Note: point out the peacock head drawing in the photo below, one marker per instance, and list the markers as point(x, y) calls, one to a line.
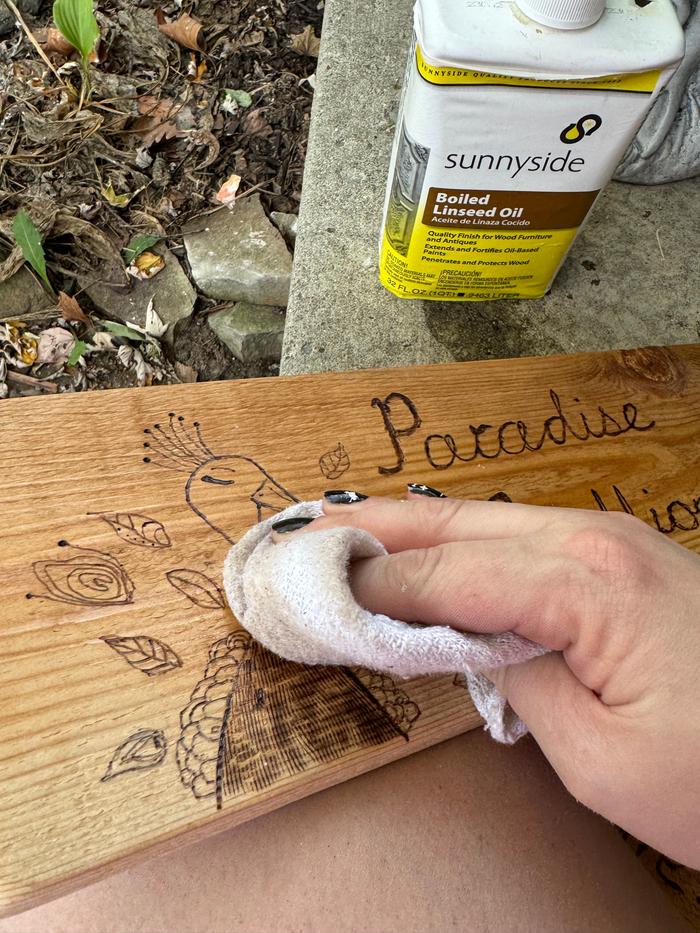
point(227, 491)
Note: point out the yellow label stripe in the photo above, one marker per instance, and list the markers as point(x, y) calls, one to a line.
point(642, 82)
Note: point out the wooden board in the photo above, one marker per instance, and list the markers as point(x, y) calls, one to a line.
point(133, 711)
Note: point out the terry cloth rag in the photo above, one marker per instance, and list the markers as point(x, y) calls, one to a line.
point(294, 597)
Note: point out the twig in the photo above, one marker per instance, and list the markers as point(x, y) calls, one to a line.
point(661, 249)
point(18, 17)
point(29, 316)
point(10, 150)
point(21, 379)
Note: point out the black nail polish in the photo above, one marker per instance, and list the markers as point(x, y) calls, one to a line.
point(343, 496)
point(290, 524)
point(420, 489)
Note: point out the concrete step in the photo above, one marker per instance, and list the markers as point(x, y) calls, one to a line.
point(631, 278)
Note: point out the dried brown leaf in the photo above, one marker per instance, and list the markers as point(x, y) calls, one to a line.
point(146, 265)
point(205, 138)
point(55, 345)
point(52, 40)
point(228, 191)
point(157, 120)
point(306, 42)
point(255, 124)
point(184, 30)
point(157, 108)
point(49, 128)
point(196, 70)
point(70, 309)
point(89, 238)
point(184, 372)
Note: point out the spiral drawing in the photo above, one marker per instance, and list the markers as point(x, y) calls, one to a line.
point(91, 578)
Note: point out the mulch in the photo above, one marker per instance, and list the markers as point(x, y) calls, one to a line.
point(163, 127)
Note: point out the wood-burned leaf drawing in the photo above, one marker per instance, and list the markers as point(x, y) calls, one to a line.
point(141, 751)
point(135, 528)
point(144, 653)
point(197, 587)
point(334, 462)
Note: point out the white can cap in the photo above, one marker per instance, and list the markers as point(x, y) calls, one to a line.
point(563, 14)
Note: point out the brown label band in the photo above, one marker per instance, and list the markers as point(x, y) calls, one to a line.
point(506, 210)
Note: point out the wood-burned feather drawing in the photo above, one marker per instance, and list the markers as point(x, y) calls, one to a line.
point(90, 578)
point(229, 491)
point(255, 718)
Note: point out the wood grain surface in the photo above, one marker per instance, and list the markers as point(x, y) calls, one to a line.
point(134, 712)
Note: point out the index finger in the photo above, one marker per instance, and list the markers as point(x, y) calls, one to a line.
point(422, 522)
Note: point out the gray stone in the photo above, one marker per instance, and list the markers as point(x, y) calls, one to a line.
point(632, 277)
point(172, 293)
point(286, 224)
point(238, 255)
point(7, 20)
point(251, 332)
point(21, 294)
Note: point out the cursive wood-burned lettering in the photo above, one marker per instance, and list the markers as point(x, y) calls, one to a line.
point(133, 707)
point(512, 438)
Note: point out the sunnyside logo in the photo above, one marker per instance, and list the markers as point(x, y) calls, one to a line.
point(575, 132)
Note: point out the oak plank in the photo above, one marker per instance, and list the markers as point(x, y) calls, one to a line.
point(133, 710)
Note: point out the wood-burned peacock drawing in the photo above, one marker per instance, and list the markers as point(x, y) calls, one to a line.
point(254, 718)
point(227, 491)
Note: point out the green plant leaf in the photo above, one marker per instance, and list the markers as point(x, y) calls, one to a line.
point(121, 330)
point(137, 245)
point(79, 347)
point(241, 98)
point(28, 239)
point(76, 22)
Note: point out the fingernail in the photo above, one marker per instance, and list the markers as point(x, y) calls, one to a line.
point(420, 489)
point(290, 524)
point(343, 496)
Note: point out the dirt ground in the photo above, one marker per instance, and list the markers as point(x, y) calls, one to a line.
point(173, 110)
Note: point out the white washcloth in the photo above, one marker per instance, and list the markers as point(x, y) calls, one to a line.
point(294, 598)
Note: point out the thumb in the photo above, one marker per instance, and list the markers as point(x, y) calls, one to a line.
point(564, 716)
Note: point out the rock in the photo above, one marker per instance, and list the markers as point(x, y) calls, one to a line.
point(21, 293)
point(238, 255)
point(287, 226)
point(7, 20)
point(251, 332)
point(172, 293)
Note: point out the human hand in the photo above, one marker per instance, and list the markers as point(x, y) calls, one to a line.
point(616, 706)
